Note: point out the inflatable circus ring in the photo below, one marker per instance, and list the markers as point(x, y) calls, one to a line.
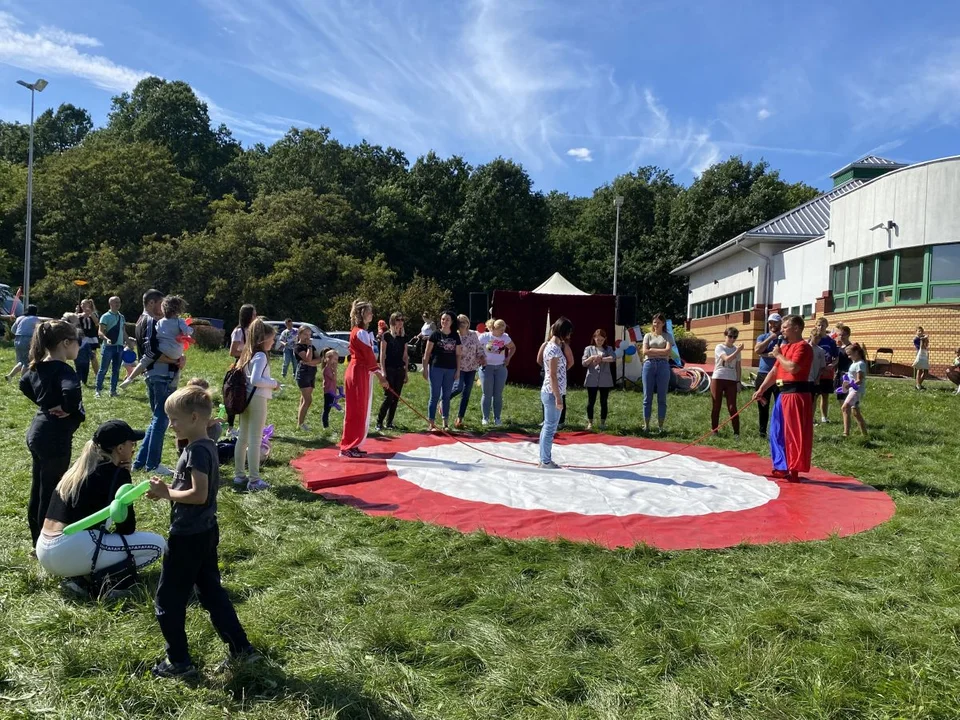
point(613, 491)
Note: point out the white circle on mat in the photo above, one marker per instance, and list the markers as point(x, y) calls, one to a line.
point(675, 486)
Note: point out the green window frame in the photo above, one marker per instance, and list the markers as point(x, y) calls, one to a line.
point(911, 276)
point(724, 305)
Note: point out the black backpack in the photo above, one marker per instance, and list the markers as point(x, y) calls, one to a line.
point(236, 395)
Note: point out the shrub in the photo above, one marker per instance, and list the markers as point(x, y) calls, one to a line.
point(692, 349)
point(208, 337)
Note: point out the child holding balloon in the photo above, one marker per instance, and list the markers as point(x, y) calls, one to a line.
point(191, 556)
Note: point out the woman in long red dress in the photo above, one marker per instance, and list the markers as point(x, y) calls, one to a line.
point(358, 390)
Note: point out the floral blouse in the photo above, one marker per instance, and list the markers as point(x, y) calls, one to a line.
point(472, 353)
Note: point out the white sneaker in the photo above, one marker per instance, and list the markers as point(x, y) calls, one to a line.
point(303, 428)
point(484, 422)
point(823, 420)
point(162, 470)
point(549, 466)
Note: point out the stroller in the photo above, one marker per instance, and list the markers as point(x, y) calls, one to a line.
point(415, 349)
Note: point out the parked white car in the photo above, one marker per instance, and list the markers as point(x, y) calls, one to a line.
point(321, 341)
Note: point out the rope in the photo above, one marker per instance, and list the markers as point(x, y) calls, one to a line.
point(697, 441)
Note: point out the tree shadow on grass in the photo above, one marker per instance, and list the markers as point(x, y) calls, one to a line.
point(297, 493)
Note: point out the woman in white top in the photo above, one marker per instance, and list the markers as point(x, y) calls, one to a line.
point(499, 348)
point(255, 363)
point(657, 347)
point(554, 387)
point(725, 383)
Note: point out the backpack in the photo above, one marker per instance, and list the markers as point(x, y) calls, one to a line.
point(236, 395)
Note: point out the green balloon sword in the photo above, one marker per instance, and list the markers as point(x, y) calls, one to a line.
point(116, 511)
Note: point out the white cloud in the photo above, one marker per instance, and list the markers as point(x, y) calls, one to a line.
point(763, 114)
point(51, 50)
point(580, 154)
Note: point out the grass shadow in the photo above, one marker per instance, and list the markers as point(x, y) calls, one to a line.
point(914, 488)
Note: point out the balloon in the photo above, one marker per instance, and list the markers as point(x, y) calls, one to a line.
point(630, 350)
point(129, 357)
point(628, 358)
point(116, 511)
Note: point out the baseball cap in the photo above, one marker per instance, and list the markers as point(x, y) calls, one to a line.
point(115, 432)
point(774, 317)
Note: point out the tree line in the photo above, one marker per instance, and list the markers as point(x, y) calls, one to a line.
point(159, 197)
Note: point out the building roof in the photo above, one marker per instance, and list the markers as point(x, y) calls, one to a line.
point(802, 223)
point(869, 161)
point(557, 284)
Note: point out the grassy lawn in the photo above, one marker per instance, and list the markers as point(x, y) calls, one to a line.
point(376, 618)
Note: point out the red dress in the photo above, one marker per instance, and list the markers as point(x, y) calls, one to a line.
point(796, 407)
point(358, 391)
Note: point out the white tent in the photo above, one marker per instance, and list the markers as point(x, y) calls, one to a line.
point(557, 284)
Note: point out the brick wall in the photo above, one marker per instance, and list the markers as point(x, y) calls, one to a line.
point(750, 323)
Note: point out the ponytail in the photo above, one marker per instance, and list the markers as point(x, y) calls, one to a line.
point(47, 336)
point(69, 486)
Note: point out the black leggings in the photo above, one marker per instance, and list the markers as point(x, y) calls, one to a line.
point(328, 400)
point(388, 408)
point(592, 400)
point(47, 471)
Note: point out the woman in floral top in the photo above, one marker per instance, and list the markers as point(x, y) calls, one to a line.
point(472, 358)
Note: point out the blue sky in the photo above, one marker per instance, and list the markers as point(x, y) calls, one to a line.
point(578, 92)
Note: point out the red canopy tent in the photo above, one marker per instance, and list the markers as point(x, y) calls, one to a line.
point(526, 312)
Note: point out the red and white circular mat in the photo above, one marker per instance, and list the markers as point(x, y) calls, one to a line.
point(702, 498)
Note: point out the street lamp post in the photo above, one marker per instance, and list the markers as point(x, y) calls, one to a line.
point(34, 88)
point(617, 201)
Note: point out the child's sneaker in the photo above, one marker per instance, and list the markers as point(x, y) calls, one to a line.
point(248, 656)
point(167, 669)
point(257, 485)
point(240, 480)
point(303, 428)
point(161, 470)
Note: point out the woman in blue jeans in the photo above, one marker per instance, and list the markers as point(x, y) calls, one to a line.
point(441, 366)
point(554, 388)
point(657, 347)
point(472, 358)
point(499, 348)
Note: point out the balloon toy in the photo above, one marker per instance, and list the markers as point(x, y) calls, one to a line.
point(185, 339)
point(114, 513)
point(340, 396)
point(628, 353)
point(847, 385)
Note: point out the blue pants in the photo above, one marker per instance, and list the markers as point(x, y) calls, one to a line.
point(551, 418)
point(778, 448)
point(289, 358)
point(656, 379)
point(441, 385)
point(112, 357)
point(493, 379)
point(82, 363)
point(151, 449)
point(21, 346)
point(464, 387)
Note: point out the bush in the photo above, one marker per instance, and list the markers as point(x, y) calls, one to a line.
point(208, 337)
point(692, 349)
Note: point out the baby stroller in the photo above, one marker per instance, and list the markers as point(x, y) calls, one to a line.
point(415, 349)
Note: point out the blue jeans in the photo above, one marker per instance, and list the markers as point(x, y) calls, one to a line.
point(289, 358)
point(493, 379)
point(151, 449)
point(112, 356)
point(464, 387)
point(551, 418)
point(441, 385)
point(656, 379)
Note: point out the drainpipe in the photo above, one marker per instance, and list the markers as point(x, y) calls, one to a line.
point(766, 284)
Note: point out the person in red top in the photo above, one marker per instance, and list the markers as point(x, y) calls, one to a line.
point(358, 392)
point(791, 426)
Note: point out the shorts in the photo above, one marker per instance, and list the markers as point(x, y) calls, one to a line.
point(306, 381)
point(21, 346)
point(824, 387)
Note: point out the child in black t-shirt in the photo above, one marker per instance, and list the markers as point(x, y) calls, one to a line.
point(191, 557)
point(306, 374)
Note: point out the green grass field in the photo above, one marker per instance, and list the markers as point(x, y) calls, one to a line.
point(364, 617)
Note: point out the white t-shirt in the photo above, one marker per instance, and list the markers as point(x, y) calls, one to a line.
point(859, 367)
point(238, 335)
point(724, 372)
point(495, 347)
point(819, 362)
point(258, 376)
point(554, 351)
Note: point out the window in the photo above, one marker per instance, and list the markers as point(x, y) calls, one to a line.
point(909, 276)
point(795, 310)
point(735, 302)
point(807, 312)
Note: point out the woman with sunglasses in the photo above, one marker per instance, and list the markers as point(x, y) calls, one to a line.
point(393, 364)
point(725, 383)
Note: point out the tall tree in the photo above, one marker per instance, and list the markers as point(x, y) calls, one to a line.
point(53, 132)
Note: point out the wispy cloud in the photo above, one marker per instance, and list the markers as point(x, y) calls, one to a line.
point(580, 154)
point(51, 50)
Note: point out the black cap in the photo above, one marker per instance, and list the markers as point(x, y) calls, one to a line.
point(115, 432)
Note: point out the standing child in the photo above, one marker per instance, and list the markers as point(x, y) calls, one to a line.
point(214, 425)
point(305, 374)
point(54, 387)
point(90, 325)
point(191, 556)
point(953, 374)
point(288, 339)
point(330, 360)
point(255, 363)
point(921, 342)
point(855, 391)
point(727, 375)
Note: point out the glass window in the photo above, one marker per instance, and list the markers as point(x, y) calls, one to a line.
point(853, 278)
point(884, 297)
point(910, 294)
point(839, 279)
point(839, 303)
point(885, 271)
point(867, 298)
point(945, 292)
point(911, 266)
point(945, 265)
point(869, 266)
point(807, 311)
point(795, 310)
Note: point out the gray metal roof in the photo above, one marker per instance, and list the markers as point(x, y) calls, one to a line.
point(808, 220)
point(870, 161)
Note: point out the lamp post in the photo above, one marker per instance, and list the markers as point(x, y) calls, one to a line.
point(34, 88)
point(618, 201)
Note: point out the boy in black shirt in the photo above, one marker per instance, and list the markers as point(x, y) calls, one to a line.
point(191, 556)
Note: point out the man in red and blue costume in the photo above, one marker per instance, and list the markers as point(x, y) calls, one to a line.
point(791, 423)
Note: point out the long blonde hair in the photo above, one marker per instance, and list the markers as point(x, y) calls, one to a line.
point(357, 311)
point(90, 457)
point(257, 334)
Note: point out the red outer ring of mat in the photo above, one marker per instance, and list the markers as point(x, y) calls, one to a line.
point(820, 505)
